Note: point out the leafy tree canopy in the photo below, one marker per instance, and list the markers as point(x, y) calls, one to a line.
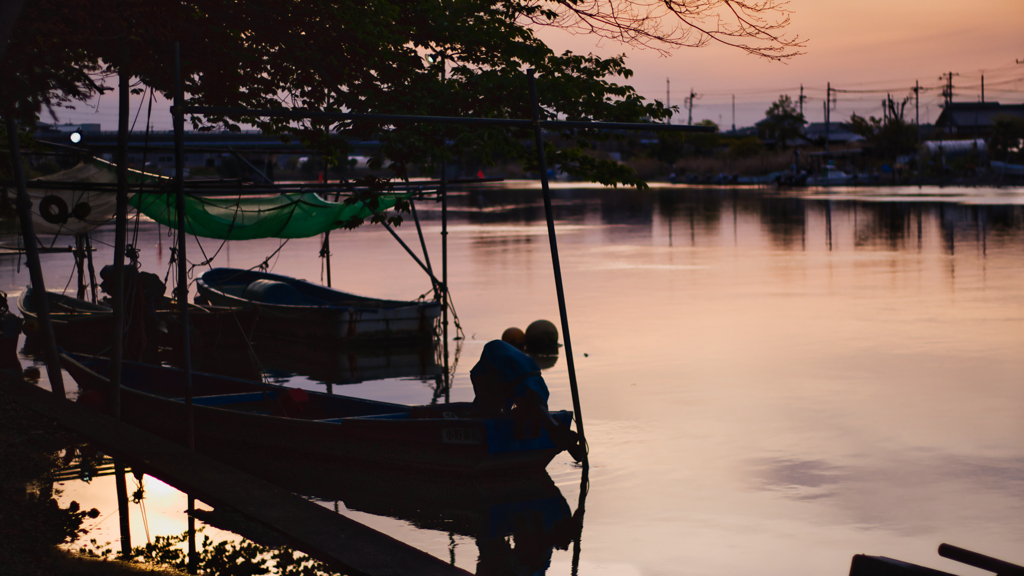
point(783, 120)
point(371, 56)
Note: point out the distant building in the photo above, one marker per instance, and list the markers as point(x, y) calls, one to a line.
point(812, 133)
point(974, 119)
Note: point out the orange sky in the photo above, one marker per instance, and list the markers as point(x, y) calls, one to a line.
point(863, 44)
point(856, 45)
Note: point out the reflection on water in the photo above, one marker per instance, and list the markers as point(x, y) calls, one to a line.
point(771, 382)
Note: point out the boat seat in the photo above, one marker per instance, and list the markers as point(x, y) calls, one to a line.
point(225, 399)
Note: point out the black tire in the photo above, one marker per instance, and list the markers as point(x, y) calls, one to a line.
point(53, 209)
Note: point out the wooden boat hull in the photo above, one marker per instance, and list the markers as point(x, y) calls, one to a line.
point(320, 313)
point(438, 438)
point(82, 326)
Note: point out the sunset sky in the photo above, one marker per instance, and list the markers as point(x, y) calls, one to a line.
point(869, 46)
point(863, 45)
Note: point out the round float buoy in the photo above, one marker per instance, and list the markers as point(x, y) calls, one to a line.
point(31, 326)
point(81, 210)
point(542, 338)
point(515, 337)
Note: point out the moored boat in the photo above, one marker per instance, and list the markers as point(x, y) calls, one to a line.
point(830, 176)
point(298, 309)
point(82, 326)
point(232, 415)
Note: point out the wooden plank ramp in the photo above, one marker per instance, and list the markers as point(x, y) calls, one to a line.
point(323, 534)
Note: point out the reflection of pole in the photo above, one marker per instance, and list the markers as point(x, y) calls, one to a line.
point(193, 557)
point(581, 508)
point(122, 509)
point(120, 232)
point(182, 289)
point(693, 232)
point(670, 221)
point(828, 223)
point(735, 219)
point(542, 164)
point(28, 235)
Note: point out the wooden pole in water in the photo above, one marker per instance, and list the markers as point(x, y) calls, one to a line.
point(80, 265)
point(542, 163)
point(122, 508)
point(92, 269)
point(24, 206)
point(120, 232)
point(325, 251)
point(444, 259)
point(181, 291)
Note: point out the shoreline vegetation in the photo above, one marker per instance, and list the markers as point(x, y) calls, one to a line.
point(39, 538)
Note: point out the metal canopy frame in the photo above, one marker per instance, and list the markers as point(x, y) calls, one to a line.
point(179, 109)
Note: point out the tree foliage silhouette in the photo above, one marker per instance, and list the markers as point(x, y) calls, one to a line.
point(372, 57)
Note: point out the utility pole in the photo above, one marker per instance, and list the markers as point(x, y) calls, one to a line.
point(982, 88)
point(802, 98)
point(733, 112)
point(668, 98)
point(689, 106)
point(917, 109)
point(947, 91)
point(828, 112)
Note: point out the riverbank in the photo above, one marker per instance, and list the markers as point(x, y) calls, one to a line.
point(33, 528)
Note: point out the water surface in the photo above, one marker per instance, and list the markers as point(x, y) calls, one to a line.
point(770, 382)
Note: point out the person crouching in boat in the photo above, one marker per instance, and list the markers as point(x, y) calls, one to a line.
point(508, 382)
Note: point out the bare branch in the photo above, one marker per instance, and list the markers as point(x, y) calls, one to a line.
point(754, 26)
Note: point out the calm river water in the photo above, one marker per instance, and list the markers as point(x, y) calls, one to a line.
point(770, 383)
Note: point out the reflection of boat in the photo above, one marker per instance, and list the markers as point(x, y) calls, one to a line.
point(82, 326)
point(234, 414)
point(77, 324)
point(527, 506)
point(331, 364)
point(475, 507)
point(298, 309)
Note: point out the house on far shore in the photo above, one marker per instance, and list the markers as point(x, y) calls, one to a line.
point(967, 120)
point(811, 133)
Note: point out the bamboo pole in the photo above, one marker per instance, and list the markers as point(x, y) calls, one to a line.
point(120, 232)
point(423, 246)
point(539, 140)
point(325, 251)
point(80, 265)
point(24, 206)
point(92, 269)
point(182, 289)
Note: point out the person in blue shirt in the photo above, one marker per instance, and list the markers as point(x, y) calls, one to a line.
point(507, 382)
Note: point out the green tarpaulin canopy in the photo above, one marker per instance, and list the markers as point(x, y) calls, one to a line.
point(285, 216)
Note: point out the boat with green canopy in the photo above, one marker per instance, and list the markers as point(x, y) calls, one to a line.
point(295, 215)
point(289, 307)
